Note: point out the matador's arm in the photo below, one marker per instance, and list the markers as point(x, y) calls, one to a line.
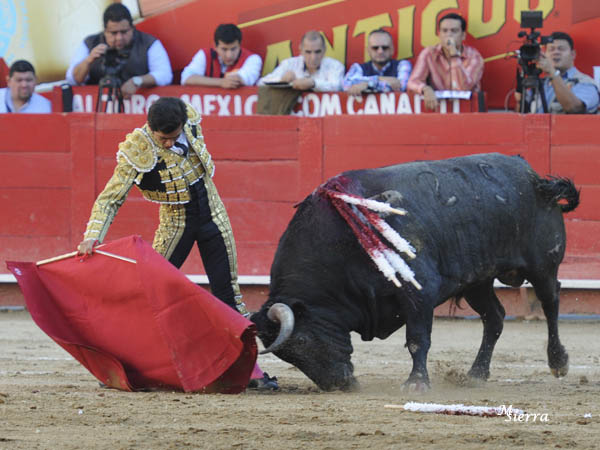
point(110, 200)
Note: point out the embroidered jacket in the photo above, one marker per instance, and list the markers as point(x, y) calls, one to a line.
point(162, 175)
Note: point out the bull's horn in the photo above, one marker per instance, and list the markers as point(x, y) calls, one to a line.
point(282, 313)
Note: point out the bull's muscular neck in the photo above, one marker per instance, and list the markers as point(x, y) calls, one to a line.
point(363, 308)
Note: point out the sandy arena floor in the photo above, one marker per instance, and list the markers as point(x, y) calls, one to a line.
point(48, 400)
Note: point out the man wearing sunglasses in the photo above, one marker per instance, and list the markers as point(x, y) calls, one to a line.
point(449, 65)
point(381, 73)
point(139, 59)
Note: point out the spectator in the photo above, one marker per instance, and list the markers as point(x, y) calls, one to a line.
point(566, 89)
point(228, 65)
point(311, 70)
point(18, 96)
point(449, 65)
point(139, 59)
point(382, 73)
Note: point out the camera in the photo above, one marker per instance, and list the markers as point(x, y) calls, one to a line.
point(113, 62)
point(530, 51)
point(529, 84)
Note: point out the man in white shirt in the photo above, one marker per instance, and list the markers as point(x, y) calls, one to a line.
point(228, 65)
point(138, 59)
point(19, 97)
point(311, 70)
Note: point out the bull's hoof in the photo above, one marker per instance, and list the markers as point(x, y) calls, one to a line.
point(419, 387)
point(475, 382)
point(558, 361)
point(352, 386)
point(561, 371)
point(478, 375)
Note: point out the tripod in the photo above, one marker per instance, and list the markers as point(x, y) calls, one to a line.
point(111, 86)
point(532, 87)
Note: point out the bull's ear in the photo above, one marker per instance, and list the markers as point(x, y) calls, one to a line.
point(299, 308)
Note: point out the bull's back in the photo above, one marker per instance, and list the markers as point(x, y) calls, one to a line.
point(471, 217)
point(450, 182)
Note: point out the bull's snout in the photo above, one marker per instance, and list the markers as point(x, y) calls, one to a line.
point(340, 377)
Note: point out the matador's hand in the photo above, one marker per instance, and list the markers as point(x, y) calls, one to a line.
point(86, 247)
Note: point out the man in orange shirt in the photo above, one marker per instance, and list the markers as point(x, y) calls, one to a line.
point(449, 65)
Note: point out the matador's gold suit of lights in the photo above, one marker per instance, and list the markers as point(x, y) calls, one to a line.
point(138, 157)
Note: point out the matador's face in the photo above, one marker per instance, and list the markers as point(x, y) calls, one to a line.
point(166, 140)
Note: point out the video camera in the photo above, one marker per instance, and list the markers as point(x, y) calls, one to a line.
point(529, 83)
point(530, 51)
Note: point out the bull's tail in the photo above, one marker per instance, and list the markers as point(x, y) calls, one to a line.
point(561, 191)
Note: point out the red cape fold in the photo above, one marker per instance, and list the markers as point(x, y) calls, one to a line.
point(139, 326)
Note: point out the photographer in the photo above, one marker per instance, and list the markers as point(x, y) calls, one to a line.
point(137, 59)
point(567, 90)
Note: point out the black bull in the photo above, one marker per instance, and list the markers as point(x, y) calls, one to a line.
point(470, 220)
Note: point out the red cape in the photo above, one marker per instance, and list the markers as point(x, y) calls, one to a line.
point(142, 325)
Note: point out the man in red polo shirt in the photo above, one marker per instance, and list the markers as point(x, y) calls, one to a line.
point(450, 65)
point(228, 65)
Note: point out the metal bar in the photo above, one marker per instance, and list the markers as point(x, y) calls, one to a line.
point(69, 255)
point(56, 258)
point(112, 255)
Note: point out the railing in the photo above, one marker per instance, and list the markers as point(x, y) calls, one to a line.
point(242, 102)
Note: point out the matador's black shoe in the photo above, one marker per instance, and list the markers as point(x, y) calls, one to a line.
point(265, 383)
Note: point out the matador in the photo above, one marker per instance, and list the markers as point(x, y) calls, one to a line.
point(168, 161)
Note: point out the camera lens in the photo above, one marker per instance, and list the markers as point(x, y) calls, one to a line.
point(529, 52)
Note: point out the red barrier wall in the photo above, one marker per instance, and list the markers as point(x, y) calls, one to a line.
point(53, 166)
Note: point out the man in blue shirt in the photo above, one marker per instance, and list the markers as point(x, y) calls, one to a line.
point(19, 97)
point(381, 73)
point(567, 90)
